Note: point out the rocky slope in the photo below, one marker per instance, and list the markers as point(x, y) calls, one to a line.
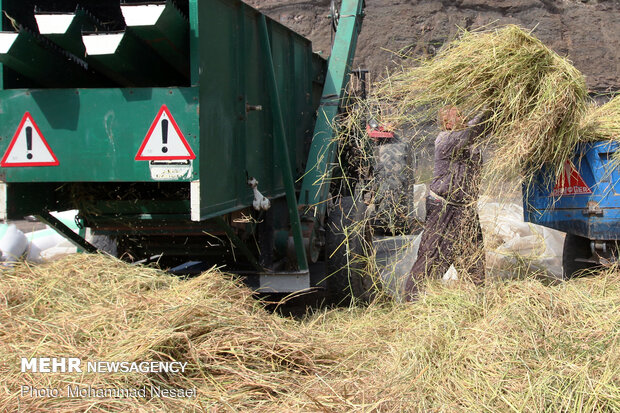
point(586, 31)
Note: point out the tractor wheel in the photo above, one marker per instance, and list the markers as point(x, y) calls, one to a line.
point(575, 247)
point(347, 242)
point(393, 175)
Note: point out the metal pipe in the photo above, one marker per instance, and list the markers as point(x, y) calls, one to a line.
point(315, 185)
point(65, 231)
point(282, 149)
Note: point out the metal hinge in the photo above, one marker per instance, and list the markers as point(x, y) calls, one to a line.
point(593, 209)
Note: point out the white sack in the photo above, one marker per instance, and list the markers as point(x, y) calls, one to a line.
point(510, 241)
point(395, 257)
point(13, 243)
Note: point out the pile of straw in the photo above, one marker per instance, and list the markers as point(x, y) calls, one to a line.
point(536, 98)
point(100, 309)
point(510, 346)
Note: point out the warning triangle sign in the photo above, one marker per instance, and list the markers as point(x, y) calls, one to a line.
point(28, 147)
point(164, 140)
point(570, 182)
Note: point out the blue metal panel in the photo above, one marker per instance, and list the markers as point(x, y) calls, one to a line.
point(568, 213)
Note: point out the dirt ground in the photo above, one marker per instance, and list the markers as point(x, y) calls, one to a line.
point(588, 31)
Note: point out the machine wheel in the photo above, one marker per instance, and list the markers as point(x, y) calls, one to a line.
point(347, 241)
point(393, 174)
point(575, 247)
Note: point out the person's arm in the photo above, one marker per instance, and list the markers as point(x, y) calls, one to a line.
point(478, 123)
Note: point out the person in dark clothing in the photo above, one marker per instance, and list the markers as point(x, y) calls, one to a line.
point(452, 233)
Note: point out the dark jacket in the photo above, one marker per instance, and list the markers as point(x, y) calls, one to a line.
point(458, 161)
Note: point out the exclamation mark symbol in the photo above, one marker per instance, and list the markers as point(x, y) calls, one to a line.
point(164, 135)
point(29, 141)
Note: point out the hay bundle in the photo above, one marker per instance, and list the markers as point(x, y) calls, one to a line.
point(603, 122)
point(536, 98)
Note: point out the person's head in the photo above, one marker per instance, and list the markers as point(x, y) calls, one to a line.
point(450, 118)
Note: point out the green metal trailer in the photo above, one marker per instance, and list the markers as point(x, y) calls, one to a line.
point(200, 130)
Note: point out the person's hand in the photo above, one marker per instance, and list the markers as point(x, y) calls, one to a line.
point(480, 117)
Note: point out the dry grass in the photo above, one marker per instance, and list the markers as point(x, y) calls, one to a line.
point(97, 308)
point(510, 346)
point(603, 122)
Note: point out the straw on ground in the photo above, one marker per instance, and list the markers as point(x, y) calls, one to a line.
point(510, 346)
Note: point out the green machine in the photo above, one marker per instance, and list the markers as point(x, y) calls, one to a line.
point(188, 130)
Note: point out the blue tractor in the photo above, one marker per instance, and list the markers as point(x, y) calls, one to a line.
point(583, 202)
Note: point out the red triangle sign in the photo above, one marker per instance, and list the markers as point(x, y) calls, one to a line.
point(28, 147)
point(164, 141)
point(570, 182)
